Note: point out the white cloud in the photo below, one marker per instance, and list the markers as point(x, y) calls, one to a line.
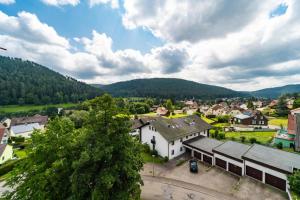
point(113, 3)
point(7, 2)
point(61, 2)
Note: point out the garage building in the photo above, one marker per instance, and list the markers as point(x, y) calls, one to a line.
point(229, 156)
point(270, 166)
point(201, 148)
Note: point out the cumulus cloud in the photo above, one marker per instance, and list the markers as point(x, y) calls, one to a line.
point(7, 2)
point(113, 3)
point(61, 2)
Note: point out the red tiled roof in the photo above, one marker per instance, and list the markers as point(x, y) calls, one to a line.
point(291, 124)
point(2, 131)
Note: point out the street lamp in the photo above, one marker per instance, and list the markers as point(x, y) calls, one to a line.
point(153, 165)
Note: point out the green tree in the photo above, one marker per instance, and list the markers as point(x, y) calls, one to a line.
point(169, 105)
point(296, 104)
point(98, 161)
point(281, 108)
point(250, 104)
point(294, 181)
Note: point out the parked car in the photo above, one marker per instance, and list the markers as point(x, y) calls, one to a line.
point(193, 166)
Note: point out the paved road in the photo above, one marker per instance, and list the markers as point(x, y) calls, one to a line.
point(160, 188)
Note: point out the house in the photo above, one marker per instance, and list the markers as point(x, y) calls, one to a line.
point(162, 111)
point(215, 110)
point(136, 127)
point(244, 106)
point(297, 132)
point(234, 112)
point(6, 153)
point(4, 135)
point(254, 119)
point(167, 135)
point(273, 103)
point(265, 164)
point(191, 104)
point(24, 130)
point(290, 103)
point(6, 122)
point(41, 120)
point(178, 112)
point(257, 104)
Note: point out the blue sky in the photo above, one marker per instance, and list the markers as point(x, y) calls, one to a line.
point(243, 45)
point(79, 21)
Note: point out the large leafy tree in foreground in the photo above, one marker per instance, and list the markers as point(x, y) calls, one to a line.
point(98, 161)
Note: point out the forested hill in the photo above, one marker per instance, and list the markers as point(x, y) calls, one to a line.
point(25, 82)
point(168, 88)
point(276, 91)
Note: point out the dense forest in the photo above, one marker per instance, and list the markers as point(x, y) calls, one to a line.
point(168, 88)
point(276, 91)
point(25, 82)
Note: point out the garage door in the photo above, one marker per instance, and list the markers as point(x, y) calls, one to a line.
point(221, 163)
point(275, 181)
point(254, 173)
point(235, 169)
point(207, 159)
point(197, 155)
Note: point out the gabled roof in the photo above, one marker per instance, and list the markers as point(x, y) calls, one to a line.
point(2, 132)
point(25, 128)
point(242, 116)
point(276, 158)
point(42, 120)
point(172, 129)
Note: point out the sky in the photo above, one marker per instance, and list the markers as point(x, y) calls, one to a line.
point(242, 45)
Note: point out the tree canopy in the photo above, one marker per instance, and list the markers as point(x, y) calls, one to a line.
point(100, 160)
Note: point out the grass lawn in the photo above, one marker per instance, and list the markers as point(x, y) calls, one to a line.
point(177, 116)
point(20, 153)
point(221, 125)
point(278, 122)
point(149, 159)
point(207, 120)
point(150, 114)
point(263, 137)
point(295, 196)
point(18, 108)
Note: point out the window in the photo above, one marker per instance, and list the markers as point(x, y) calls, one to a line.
point(172, 152)
point(261, 117)
point(262, 122)
point(187, 137)
point(195, 134)
point(253, 121)
point(181, 139)
point(149, 127)
point(180, 148)
point(152, 128)
point(172, 142)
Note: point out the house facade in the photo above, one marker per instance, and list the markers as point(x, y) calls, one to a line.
point(166, 136)
point(254, 119)
point(6, 153)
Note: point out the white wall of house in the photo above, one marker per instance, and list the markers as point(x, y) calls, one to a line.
point(7, 154)
point(24, 134)
point(228, 160)
point(161, 143)
point(267, 170)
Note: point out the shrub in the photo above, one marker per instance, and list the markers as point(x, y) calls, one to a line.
point(7, 167)
point(294, 181)
point(166, 159)
point(212, 135)
point(252, 140)
point(18, 139)
point(279, 145)
point(146, 148)
point(154, 152)
point(233, 138)
point(216, 133)
point(243, 139)
point(220, 136)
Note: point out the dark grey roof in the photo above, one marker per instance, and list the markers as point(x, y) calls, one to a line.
point(274, 157)
point(233, 149)
point(203, 143)
point(172, 129)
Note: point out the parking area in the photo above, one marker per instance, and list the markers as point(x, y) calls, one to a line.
point(217, 179)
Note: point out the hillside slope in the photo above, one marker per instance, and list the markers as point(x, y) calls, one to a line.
point(25, 82)
point(276, 91)
point(168, 88)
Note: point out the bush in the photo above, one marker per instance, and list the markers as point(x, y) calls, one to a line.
point(154, 152)
point(233, 138)
point(243, 139)
point(18, 139)
point(223, 118)
point(7, 167)
point(166, 159)
point(221, 136)
point(146, 148)
point(253, 140)
point(279, 145)
point(294, 181)
point(216, 134)
point(213, 135)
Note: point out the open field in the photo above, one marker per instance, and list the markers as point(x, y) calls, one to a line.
point(24, 108)
point(262, 137)
point(279, 122)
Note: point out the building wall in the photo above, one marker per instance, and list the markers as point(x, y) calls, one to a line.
point(267, 170)
point(7, 154)
point(25, 134)
point(231, 161)
point(161, 143)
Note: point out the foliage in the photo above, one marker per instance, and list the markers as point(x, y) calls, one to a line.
point(25, 82)
point(252, 140)
point(281, 108)
point(279, 145)
point(294, 182)
point(296, 103)
point(278, 122)
point(169, 105)
point(8, 166)
point(79, 117)
point(98, 161)
point(220, 136)
point(250, 104)
point(223, 118)
point(168, 88)
point(138, 108)
point(243, 139)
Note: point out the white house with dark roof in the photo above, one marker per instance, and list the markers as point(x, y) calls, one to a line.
point(6, 153)
point(24, 130)
point(167, 135)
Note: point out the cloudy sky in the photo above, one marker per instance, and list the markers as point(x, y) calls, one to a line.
point(242, 44)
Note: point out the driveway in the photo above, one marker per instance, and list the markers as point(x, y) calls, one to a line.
point(215, 179)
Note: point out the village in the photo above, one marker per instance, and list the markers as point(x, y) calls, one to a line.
point(242, 137)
